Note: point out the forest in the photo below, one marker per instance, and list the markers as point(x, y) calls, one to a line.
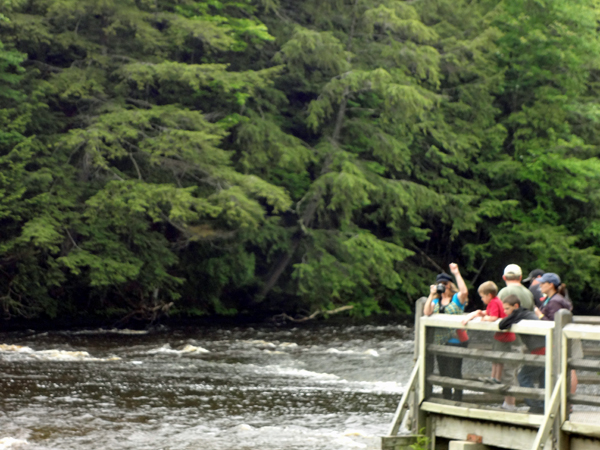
point(257, 157)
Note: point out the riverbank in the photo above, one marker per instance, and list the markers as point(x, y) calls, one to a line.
point(72, 323)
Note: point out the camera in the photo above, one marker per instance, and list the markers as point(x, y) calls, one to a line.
point(440, 288)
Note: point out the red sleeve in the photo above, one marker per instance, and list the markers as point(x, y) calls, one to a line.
point(495, 309)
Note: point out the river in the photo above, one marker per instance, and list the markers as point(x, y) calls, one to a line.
point(308, 387)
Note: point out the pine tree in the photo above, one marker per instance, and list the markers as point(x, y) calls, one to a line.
point(138, 111)
point(549, 53)
point(369, 76)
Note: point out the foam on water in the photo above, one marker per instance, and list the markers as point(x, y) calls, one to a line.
point(291, 435)
point(391, 387)
point(167, 350)
point(301, 373)
point(288, 345)
point(193, 349)
point(15, 348)
point(9, 443)
point(51, 355)
point(369, 352)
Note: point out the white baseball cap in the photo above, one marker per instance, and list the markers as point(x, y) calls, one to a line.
point(513, 269)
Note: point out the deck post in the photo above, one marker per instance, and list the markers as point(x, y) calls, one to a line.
point(561, 319)
point(418, 417)
point(550, 374)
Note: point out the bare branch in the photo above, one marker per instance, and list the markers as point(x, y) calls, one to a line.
point(284, 316)
point(137, 168)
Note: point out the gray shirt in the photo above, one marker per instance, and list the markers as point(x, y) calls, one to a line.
point(523, 294)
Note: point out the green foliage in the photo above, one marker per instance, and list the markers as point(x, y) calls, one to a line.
point(260, 156)
point(132, 170)
point(422, 443)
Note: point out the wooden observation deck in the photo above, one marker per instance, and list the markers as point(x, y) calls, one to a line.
point(570, 421)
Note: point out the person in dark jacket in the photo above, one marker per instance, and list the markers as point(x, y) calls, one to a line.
point(557, 298)
point(556, 293)
point(536, 345)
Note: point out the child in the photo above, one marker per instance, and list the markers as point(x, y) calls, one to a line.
point(488, 292)
point(535, 344)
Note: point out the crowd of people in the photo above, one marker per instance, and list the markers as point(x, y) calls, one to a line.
point(545, 296)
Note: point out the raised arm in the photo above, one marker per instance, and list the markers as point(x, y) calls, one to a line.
point(463, 292)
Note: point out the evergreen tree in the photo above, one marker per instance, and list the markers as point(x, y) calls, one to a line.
point(261, 156)
point(134, 130)
point(549, 55)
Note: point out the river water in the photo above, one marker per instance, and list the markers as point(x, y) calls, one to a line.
point(317, 388)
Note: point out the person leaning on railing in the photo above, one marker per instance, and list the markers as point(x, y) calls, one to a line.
point(445, 297)
point(536, 345)
point(557, 298)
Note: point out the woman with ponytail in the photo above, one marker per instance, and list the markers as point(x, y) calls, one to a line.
point(557, 298)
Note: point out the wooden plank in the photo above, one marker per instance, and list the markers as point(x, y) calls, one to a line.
point(447, 407)
point(535, 327)
point(403, 405)
point(413, 419)
point(549, 372)
point(515, 391)
point(493, 434)
point(584, 364)
point(581, 399)
point(420, 419)
point(430, 433)
point(579, 443)
point(447, 350)
point(464, 404)
point(588, 379)
point(591, 351)
point(563, 441)
point(549, 416)
point(576, 331)
point(475, 400)
point(587, 320)
point(559, 351)
point(584, 429)
point(589, 417)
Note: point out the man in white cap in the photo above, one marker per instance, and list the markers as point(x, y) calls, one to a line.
point(512, 276)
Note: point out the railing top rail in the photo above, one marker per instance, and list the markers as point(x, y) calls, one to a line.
point(536, 327)
point(590, 320)
point(579, 331)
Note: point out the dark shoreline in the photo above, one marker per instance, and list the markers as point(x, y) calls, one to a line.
point(240, 320)
point(70, 323)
